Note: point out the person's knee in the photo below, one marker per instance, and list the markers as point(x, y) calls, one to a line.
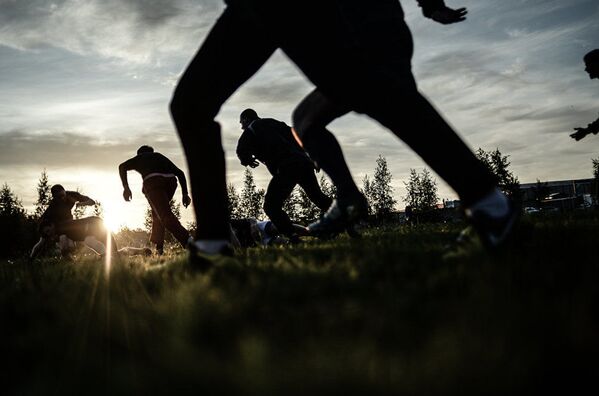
point(304, 122)
point(187, 104)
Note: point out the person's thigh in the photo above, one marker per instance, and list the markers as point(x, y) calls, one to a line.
point(159, 202)
point(233, 51)
point(356, 53)
point(279, 189)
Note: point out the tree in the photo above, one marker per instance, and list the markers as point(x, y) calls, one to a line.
point(291, 206)
point(308, 212)
point(498, 164)
point(250, 204)
point(368, 193)
point(98, 209)
point(383, 202)
point(43, 195)
point(10, 204)
point(421, 191)
point(233, 202)
point(17, 232)
point(327, 187)
point(79, 210)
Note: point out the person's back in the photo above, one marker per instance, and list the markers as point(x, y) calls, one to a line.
point(149, 163)
point(275, 144)
point(59, 208)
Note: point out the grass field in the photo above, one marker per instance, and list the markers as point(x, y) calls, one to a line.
point(382, 315)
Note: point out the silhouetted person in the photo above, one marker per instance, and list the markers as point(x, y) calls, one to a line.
point(358, 54)
point(591, 61)
point(272, 143)
point(159, 176)
point(57, 225)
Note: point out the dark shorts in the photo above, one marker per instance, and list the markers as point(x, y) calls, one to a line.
point(78, 230)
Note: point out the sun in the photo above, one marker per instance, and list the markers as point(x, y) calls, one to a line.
point(113, 218)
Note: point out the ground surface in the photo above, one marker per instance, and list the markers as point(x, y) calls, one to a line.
point(385, 314)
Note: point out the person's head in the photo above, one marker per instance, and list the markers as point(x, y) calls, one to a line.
point(246, 117)
point(591, 61)
point(58, 191)
point(145, 149)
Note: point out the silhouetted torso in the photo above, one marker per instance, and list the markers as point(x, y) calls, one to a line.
point(148, 163)
point(59, 210)
point(272, 143)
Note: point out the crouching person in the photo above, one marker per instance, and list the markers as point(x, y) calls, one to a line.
point(57, 226)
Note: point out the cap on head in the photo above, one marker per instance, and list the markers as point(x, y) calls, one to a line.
point(56, 190)
point(592, 57)
point(145, 149)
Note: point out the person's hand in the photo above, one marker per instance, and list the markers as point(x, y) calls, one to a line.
point(579, 134)
point(253, 163)
point(127, 194)
point(447, 16)
point(186, 200)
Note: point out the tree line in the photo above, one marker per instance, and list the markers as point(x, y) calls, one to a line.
point(18, 229)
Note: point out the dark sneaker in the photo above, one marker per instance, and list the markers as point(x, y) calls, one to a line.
point(492, 231)
point(202, 261)
point(340, 217)
point(294, 239)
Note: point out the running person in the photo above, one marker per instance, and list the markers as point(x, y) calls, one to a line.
point(358, 54)
point(272, 143)
point(57, 225)
point(159, 176)
point(591, 61)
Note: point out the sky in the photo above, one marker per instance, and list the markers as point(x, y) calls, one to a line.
point(83, 83)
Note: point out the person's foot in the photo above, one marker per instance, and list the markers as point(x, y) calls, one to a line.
point(493, 231)
point(202, 259)
point(493, 219)
point(294, 239)
point(341, 216)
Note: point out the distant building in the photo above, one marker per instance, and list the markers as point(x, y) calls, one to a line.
point(561, 194)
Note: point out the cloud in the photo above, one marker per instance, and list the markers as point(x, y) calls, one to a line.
point(136, 31)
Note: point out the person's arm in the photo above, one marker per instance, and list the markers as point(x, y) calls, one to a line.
point(580, 133)
point(183, 182)
point(38, 248)
point(82, 200)
point(245, 150)
point(439, 12)
point(123, 168)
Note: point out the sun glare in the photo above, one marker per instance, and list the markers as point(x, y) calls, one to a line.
point(114, 220)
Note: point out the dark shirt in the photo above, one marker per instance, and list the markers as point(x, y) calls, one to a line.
point(59, 210)
point(147, 163)
point(270, 142)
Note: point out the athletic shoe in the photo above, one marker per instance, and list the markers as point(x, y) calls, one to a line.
point(492, 231)
point(340, 217)
point(203, 261)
